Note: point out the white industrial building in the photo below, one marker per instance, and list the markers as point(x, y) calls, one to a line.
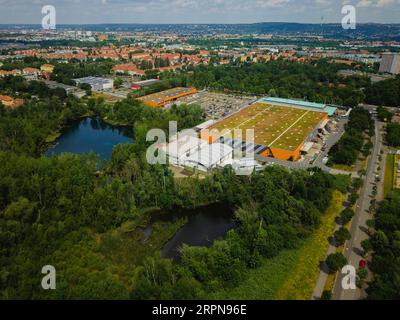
point(204, 125)
point(96, 83)
point(187, 150)
point(180, 149)
point(210, 157)
point(244, 166)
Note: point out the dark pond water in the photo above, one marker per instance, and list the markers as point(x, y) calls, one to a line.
point(204, 225)
point(90, 134)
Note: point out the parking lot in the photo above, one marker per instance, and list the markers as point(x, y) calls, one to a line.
point(217, 105)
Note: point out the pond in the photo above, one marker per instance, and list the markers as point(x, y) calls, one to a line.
point(204, 225)
point(90, 134)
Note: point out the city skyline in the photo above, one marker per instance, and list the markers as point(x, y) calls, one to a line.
point(198, 11)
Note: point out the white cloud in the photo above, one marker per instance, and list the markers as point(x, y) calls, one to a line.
point(197, 11)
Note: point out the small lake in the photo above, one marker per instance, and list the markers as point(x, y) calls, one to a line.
point(204, 225)
point(90, 134)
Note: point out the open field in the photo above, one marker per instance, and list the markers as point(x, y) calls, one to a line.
point(293, 273)
point(107, 97)
point(389, 174)
point(274, 126)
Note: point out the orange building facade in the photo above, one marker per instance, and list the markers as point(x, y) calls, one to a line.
point(163, 100)
point(270, 152)
point(212, 136)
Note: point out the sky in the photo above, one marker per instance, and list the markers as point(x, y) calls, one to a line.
point(198, 11)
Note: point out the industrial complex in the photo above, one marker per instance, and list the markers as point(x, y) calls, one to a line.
point(281, 127)
point(160, 99)
point(96, 83)
point(269, 128)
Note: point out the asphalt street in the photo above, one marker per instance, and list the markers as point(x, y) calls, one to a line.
point(353, 247)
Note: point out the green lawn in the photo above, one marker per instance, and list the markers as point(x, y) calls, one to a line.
point(389, 174)
point(292, 274)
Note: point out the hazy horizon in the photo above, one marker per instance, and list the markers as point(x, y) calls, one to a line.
point(79, 12)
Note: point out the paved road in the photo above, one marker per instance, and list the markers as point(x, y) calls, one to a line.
point(323, 276)
point(353, 247)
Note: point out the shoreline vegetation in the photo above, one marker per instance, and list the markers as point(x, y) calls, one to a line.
point(51, 139)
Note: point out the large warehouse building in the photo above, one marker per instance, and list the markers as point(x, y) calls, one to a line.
point(160, 99)
point(281, 127)
point(96, 83)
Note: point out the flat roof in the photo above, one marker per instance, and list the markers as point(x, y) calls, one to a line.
point(184, 144)
point(300, 104)
point(146, 82)
point(161, 96)
point(210, 155)
point(274, 126)
point(94, 80)
point(205, 124)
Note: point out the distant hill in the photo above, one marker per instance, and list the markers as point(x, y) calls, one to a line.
point(370, 30)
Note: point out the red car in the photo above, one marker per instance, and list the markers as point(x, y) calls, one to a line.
point(362, 264)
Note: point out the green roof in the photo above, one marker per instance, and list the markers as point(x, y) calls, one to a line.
point(300, 104)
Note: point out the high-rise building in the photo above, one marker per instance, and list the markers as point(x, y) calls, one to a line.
point(390, 63)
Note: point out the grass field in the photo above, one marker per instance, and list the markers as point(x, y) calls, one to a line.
point(292, 274)
point(389, 174)
point(108, 98)
point(274, 126)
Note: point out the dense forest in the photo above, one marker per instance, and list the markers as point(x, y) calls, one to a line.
point(317, 81)
point(386, 246)
point(393, 134)
point(66, 72)
point(386, 93)
point(347, 150)
point(86, 221)
point(45, 111)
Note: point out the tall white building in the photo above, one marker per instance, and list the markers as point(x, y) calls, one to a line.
point(390, 63)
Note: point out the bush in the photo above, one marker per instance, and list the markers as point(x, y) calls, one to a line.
point(362, 274)
point(326, 295)
point(353, 198)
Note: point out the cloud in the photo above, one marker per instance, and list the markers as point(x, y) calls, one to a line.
point(197, 11)
point(377, 3)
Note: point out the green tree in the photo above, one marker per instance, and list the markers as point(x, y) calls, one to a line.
point(342, 235)
point(336, 261)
